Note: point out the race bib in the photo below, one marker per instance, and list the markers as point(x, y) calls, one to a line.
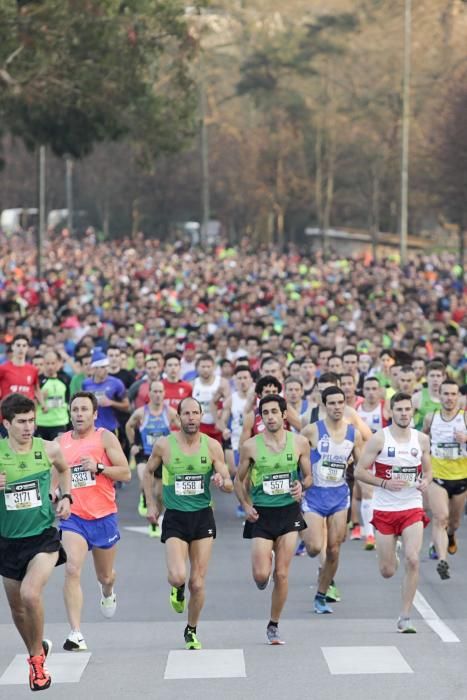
point(407, 474)
point(189, 485)
point(54, 402)
point(81, 477)
point(276, 484)
point(23, 496)
point(447, 450)
point(332, 470)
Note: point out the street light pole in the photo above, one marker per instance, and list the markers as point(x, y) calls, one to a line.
point(205, 184)
point(41, 228)
point(405, 132)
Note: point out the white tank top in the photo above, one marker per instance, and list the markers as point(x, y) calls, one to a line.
point(204, 394)
point(237, 410)
point(443, 442)
point(373, 418)
point(330, 459)
point(399, 460)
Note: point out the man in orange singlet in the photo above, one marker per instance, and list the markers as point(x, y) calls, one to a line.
point(97, 461)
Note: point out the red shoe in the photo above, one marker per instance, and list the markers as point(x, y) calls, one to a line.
point(355, 533)
point(39, 677)
point(370, 542)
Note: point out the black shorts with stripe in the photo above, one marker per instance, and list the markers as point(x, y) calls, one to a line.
point(275, 522)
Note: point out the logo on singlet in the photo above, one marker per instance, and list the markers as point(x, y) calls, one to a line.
point(391, 451)
point(204, 460)
point(289, 457)
point(37, 455)
point(23, 465)
point(414, 452)
point(190, 467)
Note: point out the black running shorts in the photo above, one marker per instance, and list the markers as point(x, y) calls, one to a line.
point(275, 522)
point(16, 553)
point(454, 487)
point(188, 525)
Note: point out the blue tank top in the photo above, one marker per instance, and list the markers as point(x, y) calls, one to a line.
point(153, 427)
point(329, 459)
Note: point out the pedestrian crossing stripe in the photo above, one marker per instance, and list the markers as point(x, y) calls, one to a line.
point(206, 663)
point(365, 660)
point(64, 668)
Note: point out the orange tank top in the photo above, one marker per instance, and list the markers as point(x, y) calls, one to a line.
point(93, 495)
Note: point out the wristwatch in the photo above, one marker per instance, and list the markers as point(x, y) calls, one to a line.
point(66, 495)
point(100, 468)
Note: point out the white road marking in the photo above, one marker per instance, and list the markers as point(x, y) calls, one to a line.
point(64, 668)
point(143, 530)
point(364, 660)
point(433, 620)
point(205, 663)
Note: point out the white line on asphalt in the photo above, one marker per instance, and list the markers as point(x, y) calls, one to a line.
point(364, 660)
point(64, 668)
point(207, 663)
point(433, 620)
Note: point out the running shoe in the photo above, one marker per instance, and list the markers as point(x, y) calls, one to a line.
point(46, 647)
point(75, 642)
point(240, 513)
point(333, 594)
point(321, 607)
point(301, 549)
point(154, 531)
point(142, 507)
point(404, 625)
point(452, 544)
point(432, 553)
point(443, 569)
point(39, 677)
point(356, 533)
point(177, 599)
point(272, 633)
point(370, 543)
point(108, 604)
point(191, 640)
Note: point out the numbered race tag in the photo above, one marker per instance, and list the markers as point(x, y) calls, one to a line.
point(332, 469)
point(23, 496)
point(447, 450)
point(276, 484)
point(81, 477)
point(189, 485)
point(407, 474)
point(54, 402)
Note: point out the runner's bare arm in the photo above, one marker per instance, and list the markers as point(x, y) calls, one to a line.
point(119, 469)
point(246, 458)
point(427, 421)
point(416, 400)
point(132, 424)
point(221, 478)
point(367, 458)
point(309, 432)
point(294, 418)
point(174, 419)
point(352, 416)
point(427, 474)
point(303, 449)
point(358, 446)
point(248, 422)
point(62, 470)
point(154, 462)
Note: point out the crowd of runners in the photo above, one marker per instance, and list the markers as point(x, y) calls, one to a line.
point(328, 396)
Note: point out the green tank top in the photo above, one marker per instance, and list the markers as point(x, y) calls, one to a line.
point(186, 479)
point(273, 473)
point(55, 400)
point(427, 405)
point(25, 507)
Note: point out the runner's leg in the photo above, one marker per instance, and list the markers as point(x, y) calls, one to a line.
point(76, 549)
point(439, 504)
point(199, 553)
point(412, 538)
point(284, 548)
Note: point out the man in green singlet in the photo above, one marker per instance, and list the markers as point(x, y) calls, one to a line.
point(29, 543)
point(270, 462)
point(190, 461)
point(427, 400)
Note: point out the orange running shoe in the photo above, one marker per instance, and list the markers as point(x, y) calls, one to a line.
point(370, 542)
point(452, 546)
point(356, 533)
point(39, 677)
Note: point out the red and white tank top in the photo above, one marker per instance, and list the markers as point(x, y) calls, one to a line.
point(399, 460)
point(374, 419)
point(93, 494)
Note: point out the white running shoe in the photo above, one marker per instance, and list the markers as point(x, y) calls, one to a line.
point(75, 642)
point(108, 604)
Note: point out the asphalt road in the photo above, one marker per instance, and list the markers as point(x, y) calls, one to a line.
point(356, 652)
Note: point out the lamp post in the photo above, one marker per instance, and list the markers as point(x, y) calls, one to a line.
point(405, 132)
